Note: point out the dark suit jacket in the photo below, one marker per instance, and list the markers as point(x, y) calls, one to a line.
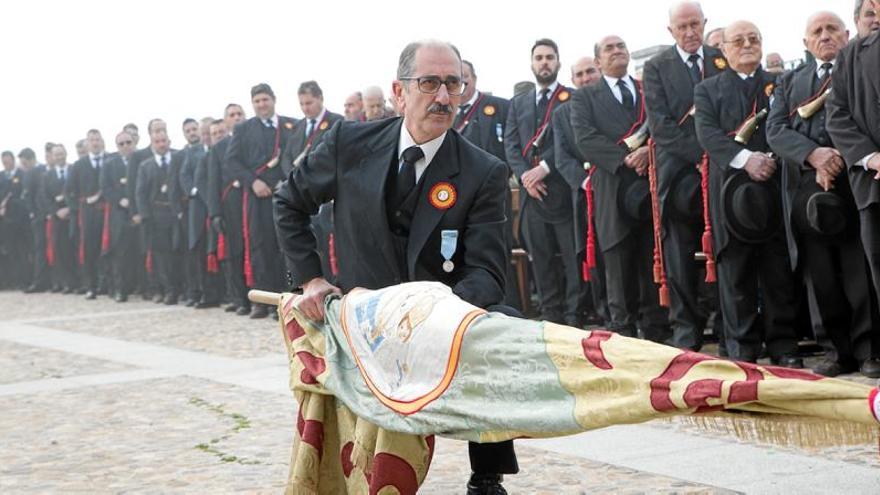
point(215, 179)
point(521, 126)
point(251, 147)
point(194, 210)
point(599, 121)
point(149, 189)
point(30, 193)
point(11, 191)
point(793, 138)
point(854, 112)
point(114, 187)
point(84, 181)
point(350, 166)
point(297, 140)
point(669, 96)
point(51, 196)
point(722, 106)
point(484, 130)
point(570, 164)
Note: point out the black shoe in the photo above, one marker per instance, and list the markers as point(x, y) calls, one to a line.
point(81, 291)
point(574, 323)
point(871, 368)
point(147, 296)
point(121, 298)
point(593, 319)
point(260, 311)
point(206, 304)
point(90, 295)
point(828, 367)
point(793, 362)
point(243, 311)
point(68, 290)
point(191, 302)
point(231, 308)
point(485, 484)
point(170, 300)
point(34, 289)
point(57, 289)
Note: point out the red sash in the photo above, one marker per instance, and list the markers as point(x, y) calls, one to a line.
point(544, 123)
point(812, 98)
point(246, 232)
point(275, 149)
point(311, 137)
point(50, 241)
point(105, 231)
point(467, 117)
point(331, 250)
point(211, 263)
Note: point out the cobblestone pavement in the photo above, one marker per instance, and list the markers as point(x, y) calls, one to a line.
point(99, 397)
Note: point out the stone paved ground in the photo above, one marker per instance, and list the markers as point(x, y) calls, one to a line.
point(99, 397)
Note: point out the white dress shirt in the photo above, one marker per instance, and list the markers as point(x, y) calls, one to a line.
point(612, 83)
point(685, 56)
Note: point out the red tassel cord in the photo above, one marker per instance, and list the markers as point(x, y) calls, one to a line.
point(105, 231)
point(148, 262)
point(590, 261)
point(246, 231)
point(659, 265)
point(331, 249)
point(50, 241)
point(81, 255)
point(707, 222)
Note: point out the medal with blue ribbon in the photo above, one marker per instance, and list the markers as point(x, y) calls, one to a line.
point(448, 244)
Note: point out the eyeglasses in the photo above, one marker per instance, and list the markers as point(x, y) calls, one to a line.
point(740, 42)
point(431, 84)
point(124, 143)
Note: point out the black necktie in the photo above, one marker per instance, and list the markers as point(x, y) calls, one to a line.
point(825, 71)
point(462, 112)
point(406, 175)
point(542, 105)
point(163, 162)
point(270, 124)
point(626, 95)
point(311, 128)
point(98, 162)
point(696, 73)
point(61, 174)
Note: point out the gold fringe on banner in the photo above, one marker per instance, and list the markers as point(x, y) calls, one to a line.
point(783, 430)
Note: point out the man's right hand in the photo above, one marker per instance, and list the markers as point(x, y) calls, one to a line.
point(63, 213)
point(261, 189)
point(874, 164)
point(311, 303)
point(827, 160)
point(760, 167)
point(136, 219)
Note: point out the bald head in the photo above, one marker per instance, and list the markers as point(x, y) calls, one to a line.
point(584, 71)
point(742, 46)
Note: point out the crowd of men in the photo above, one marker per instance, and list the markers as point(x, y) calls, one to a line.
point(632, 194)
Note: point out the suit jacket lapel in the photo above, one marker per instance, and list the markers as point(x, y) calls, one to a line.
point(426, 216)
point(612, 105)
point(527, 117)
point(374, 169)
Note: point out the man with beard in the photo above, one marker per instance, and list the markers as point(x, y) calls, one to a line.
point(854, 126)
point(14, 220)
point(572, 166)
point(603, 116)
point(160, 209)
point(33, 177)
point(119, 238)
point(865, 18)
point(354, 107)
point(254, 159)
point(84, 198)
point(745, 204)
point(670, 78)
point(224, 208)
point(545, 209)
point(60, 248)
point(195, 213)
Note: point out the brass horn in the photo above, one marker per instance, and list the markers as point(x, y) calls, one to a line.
point(807, 110)
point(638, 138)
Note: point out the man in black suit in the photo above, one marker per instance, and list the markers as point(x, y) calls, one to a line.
point(603, 115)
point(161, 209)
point(224, 208)
point(670, 78)
point(854, 126)
point(254, 159)
point(84, 198)
point(33, 176)
point(414, 201)
point(831, 261)
point(571, 165)
point(120, 243)
point(146, 280)
point(865, 18)
point(723, 104)
point(15, 222)
point(213, 286)
point(55, 210)
point(545, 209)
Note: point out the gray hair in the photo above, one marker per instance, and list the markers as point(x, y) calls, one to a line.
point(679, 5)
point(373, 92)
point(858, 11)
point(406, 65)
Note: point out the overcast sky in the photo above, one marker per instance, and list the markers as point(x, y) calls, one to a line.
point(68, 66)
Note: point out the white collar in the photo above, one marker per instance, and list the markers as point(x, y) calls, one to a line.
point(158, 158)
point(612, 81)
point(273, 118)
point(744, 76)
point(472, 100)
point(820, 62)
point(550, 90)
point(685, 55)
point(429, 149)
point(96, 157)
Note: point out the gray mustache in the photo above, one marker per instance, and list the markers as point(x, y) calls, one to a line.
point(440, 108)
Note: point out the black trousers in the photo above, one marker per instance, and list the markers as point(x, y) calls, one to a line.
point(745, 270)
point(123, 269)
point(870, 233)
point(64, 272)
point(90, 220)
point(40, 276)
point(551, 248)
point(840, 302)
point(500, 457)
point(633, 300)
point(233, 264)
point(167, 258)
point(265, 253)
point(681, 241)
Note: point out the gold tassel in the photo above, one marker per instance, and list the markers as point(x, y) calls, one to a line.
point(784, 430)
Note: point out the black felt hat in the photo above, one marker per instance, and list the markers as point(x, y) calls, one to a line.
point(686, 195)
point(634, 197)
point(752, 211)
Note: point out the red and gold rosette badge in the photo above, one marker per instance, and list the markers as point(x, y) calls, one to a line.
point(489, 110)
point(768, 89)
point(288, 125)
point(720, 63)
point(442, 196)
point(323, 126)
point(564, 95)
